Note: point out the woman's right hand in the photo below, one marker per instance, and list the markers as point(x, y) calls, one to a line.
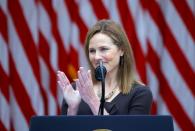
point(71, 96)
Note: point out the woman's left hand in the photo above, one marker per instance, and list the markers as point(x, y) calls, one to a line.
point(85, 86)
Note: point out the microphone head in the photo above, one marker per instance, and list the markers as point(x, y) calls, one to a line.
point(100, 71)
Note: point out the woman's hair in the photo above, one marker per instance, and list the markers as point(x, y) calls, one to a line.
point(126, 71)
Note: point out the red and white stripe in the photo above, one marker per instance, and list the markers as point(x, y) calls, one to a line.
point(4, 70)
point(39, 37)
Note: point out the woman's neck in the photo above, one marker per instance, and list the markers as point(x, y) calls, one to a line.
point(111, 86)
point(111, 79)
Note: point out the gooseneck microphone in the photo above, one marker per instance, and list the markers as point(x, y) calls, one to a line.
point(100, 74)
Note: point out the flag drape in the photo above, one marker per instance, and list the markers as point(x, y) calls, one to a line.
point(40, 37)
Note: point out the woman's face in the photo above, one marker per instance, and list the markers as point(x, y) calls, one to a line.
point(101, 47)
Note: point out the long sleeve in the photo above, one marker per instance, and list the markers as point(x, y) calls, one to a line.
point(64, 108)
point(141, 102)
point(137, 102)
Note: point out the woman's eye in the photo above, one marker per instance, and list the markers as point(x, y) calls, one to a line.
point(91, 51)
point(104, 49)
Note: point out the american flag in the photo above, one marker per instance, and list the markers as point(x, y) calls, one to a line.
point(39, 37)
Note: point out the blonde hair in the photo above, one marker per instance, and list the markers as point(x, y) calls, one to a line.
point(126, 71)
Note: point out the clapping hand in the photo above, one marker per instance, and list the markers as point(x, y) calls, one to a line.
point(85, 86)
point(71, 96)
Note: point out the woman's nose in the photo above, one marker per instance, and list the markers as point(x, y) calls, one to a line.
point(98, 56)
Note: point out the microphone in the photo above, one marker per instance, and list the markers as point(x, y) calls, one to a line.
point(100, 71)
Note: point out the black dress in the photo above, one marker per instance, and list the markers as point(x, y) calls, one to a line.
point(137, 102)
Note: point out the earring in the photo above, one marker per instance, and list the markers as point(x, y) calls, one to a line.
point(121, 61)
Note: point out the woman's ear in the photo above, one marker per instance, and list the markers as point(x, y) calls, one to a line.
point(121, 52)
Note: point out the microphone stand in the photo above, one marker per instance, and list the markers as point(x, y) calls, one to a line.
point(100, 73)
point(102, 101)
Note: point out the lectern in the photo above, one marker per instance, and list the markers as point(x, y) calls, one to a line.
point(101, 123)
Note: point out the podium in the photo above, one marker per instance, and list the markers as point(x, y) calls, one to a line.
point(102, 123)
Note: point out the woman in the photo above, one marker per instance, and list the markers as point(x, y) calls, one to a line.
point(106, 41)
